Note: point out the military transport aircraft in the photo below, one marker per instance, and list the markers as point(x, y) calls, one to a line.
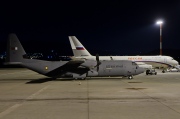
point(73, 68)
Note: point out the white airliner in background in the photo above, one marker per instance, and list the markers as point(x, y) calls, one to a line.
point(147, 62)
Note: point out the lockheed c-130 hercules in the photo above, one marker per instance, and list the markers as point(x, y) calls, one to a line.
point(72, 69)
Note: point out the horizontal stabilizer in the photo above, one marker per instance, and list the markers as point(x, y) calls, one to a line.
point(12, 63)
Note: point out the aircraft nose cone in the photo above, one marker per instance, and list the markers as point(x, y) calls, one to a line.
point(176, 63)
point(141, 70)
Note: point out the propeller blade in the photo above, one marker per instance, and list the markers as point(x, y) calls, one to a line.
point(98, 62)
point(97, 57)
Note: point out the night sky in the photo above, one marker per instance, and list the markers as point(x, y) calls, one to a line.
point(114, 26)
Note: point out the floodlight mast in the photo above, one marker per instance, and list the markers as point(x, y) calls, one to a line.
point(160, 24)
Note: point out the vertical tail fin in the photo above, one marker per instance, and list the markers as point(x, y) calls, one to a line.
point(15, 51)
point(77, 48)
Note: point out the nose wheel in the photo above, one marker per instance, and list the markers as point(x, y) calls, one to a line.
point(130, 77)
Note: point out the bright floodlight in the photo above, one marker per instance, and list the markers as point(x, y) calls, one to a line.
point(159, 22)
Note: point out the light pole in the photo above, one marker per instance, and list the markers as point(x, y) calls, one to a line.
point(160, 24)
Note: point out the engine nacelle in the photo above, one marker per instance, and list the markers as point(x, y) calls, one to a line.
point(146, 66)
point(74, 75)
point(77, 76)
point(89, 63)
point(92, 73)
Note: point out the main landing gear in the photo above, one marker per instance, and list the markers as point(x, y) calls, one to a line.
point(163, 71)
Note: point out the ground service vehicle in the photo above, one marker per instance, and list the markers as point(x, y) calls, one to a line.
point(151, 71)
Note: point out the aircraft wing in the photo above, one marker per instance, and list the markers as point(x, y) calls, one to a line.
point(76, 66)
point(79, 61)
point(144, 65)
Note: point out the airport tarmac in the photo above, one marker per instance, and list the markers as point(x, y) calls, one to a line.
point(25, 94)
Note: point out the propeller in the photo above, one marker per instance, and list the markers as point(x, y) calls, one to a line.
point(98, 62)
point(91, 64)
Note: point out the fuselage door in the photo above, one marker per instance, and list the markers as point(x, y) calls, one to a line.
point(165, 60)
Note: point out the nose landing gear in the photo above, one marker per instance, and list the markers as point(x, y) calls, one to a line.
point(130, 77)
point(163, 71)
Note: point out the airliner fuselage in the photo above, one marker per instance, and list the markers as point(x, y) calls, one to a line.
point(155, 61)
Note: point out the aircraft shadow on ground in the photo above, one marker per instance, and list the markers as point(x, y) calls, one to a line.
point(43, 80)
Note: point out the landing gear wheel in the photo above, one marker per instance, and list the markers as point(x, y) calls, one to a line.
point(130, 77)
point(53, 78)
point(163, 71)
point(83, 78)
